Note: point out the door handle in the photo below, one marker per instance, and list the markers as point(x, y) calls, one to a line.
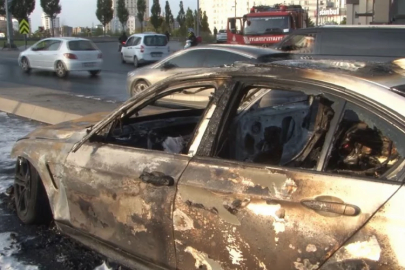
point(157, 179)
point(332, 207)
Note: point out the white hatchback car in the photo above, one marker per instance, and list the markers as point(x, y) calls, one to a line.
point(62, 55)
point(145, 48)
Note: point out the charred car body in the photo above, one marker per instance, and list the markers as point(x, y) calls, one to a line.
point(312, 180)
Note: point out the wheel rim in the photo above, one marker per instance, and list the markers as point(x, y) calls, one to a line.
point(138, 88)
point(60, 69)
point(24, 64)
point(22, 186)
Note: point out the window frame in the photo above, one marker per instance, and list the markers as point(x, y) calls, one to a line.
point(340, 96)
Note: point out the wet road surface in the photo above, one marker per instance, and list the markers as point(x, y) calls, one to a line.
point(110, 84)
point(33, 247)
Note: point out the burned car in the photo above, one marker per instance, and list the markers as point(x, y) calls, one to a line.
point(289, 166)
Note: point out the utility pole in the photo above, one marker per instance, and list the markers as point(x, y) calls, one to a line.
point(198, 17)
point(9, 26)
point(317, 12)
point(235, 8)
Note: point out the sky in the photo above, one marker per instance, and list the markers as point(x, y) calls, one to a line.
point(77, 13)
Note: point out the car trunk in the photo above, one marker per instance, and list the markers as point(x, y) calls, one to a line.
point(155, 46)
point(84, 50)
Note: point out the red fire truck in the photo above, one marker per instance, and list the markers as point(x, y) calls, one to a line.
point(266, 25)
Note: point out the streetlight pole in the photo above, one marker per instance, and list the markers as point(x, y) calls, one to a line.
point(317, 12)
point(235, 8)
point(8, 18)
point(198, 18)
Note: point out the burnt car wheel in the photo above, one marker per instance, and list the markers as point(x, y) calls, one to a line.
point(31, 201)
point(138, 87)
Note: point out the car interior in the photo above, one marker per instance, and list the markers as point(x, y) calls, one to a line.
point(271, 127)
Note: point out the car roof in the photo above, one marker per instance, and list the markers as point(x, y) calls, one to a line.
point(253, 51)
point(146, 34)
point(355, 81)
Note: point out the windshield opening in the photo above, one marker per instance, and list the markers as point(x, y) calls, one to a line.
point(266, 25)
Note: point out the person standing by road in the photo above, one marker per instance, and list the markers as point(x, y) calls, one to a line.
point(215, 32)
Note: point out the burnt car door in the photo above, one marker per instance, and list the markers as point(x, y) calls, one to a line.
point(290, 178)
point(121, 184)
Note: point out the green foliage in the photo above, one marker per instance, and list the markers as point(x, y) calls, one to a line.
point(2, 8)
point(204, 23)
point(141, 7)
point(21, 9)
point(155, 18)
point(104, 11)
point(51, 8)
point(181, 17)
point(189, 18)
point(122, 13)
point(343, 22)
point(169, 20)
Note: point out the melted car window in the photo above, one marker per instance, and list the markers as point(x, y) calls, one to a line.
point(364, 145)
point(166, 124)
point(277, 127)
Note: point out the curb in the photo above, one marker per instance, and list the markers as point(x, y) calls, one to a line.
point(34, 112)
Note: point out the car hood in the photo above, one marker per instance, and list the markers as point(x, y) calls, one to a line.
point(74, 129)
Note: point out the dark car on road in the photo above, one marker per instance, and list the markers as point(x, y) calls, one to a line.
point(196, 58)
point(350, 42)
point(314, 183)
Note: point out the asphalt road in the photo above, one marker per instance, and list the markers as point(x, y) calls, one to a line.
point(110, 84)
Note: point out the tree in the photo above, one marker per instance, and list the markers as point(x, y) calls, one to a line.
point(181, 18)
point(21, 9)
point(141, 7)
point(205, 27)
point(2, 8)
point(189, 18)
point(168, 15)
point(104, 12)
point(122, 13)
point(155, 18)
point(343, 22)
point(51, 8)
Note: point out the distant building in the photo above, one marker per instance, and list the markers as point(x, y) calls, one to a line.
point(46, 22)
point(15, 25)
point(133, 22)
point(218, 11)
point(66, 31)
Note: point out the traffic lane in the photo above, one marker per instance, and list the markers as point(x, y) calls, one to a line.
point(112, 57)
point(106, 86)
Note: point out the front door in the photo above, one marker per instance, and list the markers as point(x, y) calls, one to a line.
point(50, 54)
point(108, 198)
point(267, 197)
point(121, 188)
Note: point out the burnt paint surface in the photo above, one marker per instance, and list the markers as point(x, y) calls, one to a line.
point(380, 244)
point(241, 216)
point(111, 198)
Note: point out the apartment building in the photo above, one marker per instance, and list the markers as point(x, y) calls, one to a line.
point(133, 22)
point(46, 22)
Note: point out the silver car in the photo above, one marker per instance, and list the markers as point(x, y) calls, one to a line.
point(222, 37)
point(62, 55)
point(196, 58)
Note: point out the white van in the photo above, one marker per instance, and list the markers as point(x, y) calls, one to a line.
point(145, 48)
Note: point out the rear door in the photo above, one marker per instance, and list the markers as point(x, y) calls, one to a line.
point(245, 206)
point(50, 54)
point(156, 47)
point(85, 51)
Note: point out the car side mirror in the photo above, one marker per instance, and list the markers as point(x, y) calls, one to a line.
point(34, 49)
